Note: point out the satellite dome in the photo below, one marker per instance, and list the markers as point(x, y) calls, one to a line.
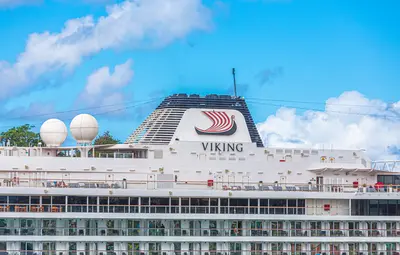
point(84, 128)
point(53, 132)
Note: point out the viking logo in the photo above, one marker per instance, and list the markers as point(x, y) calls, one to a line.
point(222, 124)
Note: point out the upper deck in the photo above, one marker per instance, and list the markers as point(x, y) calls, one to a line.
point(188, 144)
point(193, 168)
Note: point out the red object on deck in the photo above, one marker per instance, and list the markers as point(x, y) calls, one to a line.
point(327, 207)
point(355, 184)
point(378, 185)
point(210, 183)
point(282, 160)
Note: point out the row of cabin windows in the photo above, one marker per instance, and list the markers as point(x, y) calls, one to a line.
point(145, 201)
point(381, 207)
point(389, 179)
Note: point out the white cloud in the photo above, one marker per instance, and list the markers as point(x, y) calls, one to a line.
point(133, 23)
point(103, 87)
point(364, 127)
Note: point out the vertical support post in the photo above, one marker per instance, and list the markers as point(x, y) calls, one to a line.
point(234, 81)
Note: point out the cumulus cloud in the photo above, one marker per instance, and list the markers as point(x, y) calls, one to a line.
point(104, 86)
point(132, 23)
point(349, 121)
point(105, 93)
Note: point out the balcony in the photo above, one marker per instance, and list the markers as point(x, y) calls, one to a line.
point(203, 251)
point(259, 229)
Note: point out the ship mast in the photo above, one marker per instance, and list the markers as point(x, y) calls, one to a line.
point(234, 81)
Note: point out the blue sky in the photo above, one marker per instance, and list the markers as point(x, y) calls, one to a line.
point(289, 50)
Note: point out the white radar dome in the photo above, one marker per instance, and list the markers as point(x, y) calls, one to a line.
point(53, 132)
point(84, 128)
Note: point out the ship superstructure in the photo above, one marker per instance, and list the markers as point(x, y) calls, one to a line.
point(194, 178)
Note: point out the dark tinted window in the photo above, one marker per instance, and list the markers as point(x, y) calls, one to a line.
point(382, 207)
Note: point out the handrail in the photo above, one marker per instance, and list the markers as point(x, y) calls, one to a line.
point(233, 231)
point(170, 209)
point(225, 185)
point(205, 182)
point(238, 250)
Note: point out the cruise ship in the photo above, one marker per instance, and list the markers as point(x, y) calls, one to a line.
point(193, 179)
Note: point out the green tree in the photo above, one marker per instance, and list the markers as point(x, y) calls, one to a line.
point(106, 138)
point(21, 136)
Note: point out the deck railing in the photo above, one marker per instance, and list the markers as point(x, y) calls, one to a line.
point(189, 184)
point(171, 209)
point(277, 231)
point(237, 249)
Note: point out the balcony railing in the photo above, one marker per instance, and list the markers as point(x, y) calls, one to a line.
point(198, 232)
point(170, 209)
point(237, 250)
point(193, 185)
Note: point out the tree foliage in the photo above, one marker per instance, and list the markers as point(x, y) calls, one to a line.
point(21, 136)
point(106, 138)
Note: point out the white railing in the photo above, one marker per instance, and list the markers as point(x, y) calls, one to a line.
point(386, 165)
point(195, 185)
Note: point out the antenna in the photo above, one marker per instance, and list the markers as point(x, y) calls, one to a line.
point(234, 81)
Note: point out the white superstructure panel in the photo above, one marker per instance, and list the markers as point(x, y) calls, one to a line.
point(193, 118)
